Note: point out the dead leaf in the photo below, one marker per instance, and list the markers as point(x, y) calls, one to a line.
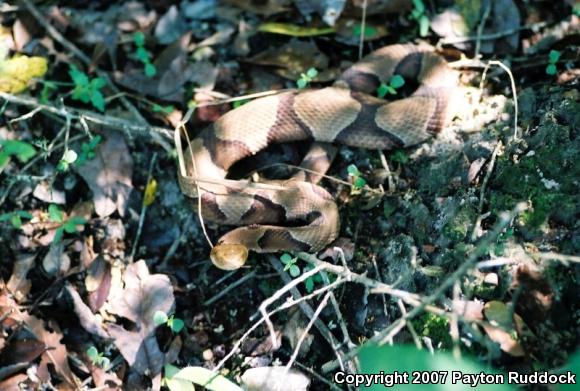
point(56, 261)
point(142, 296)
point(86, 317)
point(108, 175)
point(19, 284)
point(199, 9)
point(170, 26)
point(46, 193)
point(56, 354)
point(261, 7)
point(497, 313)
point(295, 58)
point(21, 350)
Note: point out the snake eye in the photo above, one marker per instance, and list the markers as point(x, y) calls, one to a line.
point(229, 256)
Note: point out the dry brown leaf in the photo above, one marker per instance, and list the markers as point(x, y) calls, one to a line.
point(19, 285)
point(108, 175)
point(57, 354)
point(86, 317)
point(143, 295)
point(56, 261)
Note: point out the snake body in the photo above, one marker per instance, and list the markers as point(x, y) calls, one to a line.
point(297, 214)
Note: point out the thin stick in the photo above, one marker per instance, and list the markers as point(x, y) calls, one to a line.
point(144, 208)
point(486, 13)
point(479, 250)
point(304, 334)
point(229, 288)
point(362, 30)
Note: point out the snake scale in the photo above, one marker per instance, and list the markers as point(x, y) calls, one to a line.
point(297, 214)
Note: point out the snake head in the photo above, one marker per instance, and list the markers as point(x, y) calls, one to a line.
point(229, 256)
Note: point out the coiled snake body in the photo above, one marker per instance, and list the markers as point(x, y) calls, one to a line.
point(297, 214)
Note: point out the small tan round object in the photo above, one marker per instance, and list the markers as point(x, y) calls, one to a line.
point(229, 256)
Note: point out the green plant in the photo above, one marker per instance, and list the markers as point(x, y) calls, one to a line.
point(97, 358)
point(399, 156)
point(553, 58)
point(56, 215)
point(68, 157)
point(20, 149)
point(358, 181)
point(369, 31)
point(168, 109)
point(290, 264)
point(395, 82)
point(175, 324)
point(143, 54)
point(418, 14)
point(432, 371)
point(87, 90)
point(15, 217)
point(88, 150)
point(306, 78)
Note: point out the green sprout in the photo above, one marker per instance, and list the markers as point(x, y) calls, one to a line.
point(87, 90)
point(56, 215)
point(358, 181)
point(306, 78)
point(15, 217)
point(97, 358)
point(175, 324)
point(395, 82)
point(88, 150)
point(19, 149)
point(143, 54)
point(290, 264)
point(553, 58)
point(418, 14)
point(68, 157)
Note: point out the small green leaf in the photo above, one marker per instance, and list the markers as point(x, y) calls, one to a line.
point(16, 221)
point(160, 318)
point(78, 77)
point(554, 56)
point(70, 226)
point(162, 109)
point(423, 25)
point(55, 214)
point(97, 100)
point(286, 258)
point(399, 156)
point(93, 354)
point(396, 81)
point(294, 271)
point(370, 31)
point(22, 150)
point(301, 83)
point(551, 69)
point(150, 70)
point(98, 82)
point(359, 182)
point(104, 362)
point(177, 325)
point(139, 38)
point(309, 285)
point(382, 90)
point(352, 170)
point(143, 55)
point(312, 73)
point(419, 5)
point(24, 214)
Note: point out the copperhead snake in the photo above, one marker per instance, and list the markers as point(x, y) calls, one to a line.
point(297, 214)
